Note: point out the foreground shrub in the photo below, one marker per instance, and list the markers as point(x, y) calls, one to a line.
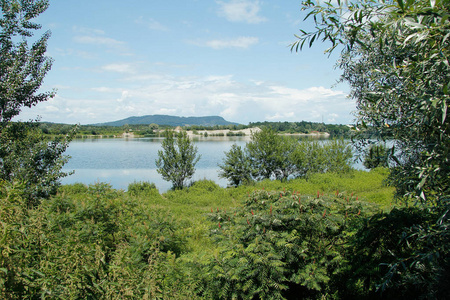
point(388, 258)
point(27, 156)
point(142, 188)
point(91, 245)
point(280, 245)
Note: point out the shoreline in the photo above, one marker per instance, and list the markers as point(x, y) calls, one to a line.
point(207, 134)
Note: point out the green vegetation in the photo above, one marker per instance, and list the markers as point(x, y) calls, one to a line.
point(330, 234)
point(151, 130)
point(176, 162)
point(376, 156)
point(26, 157)
point(269, 155)
point(335, 130)
point(96, 242)
point(394, 56)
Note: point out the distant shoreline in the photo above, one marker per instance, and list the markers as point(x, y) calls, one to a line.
point(208, 134)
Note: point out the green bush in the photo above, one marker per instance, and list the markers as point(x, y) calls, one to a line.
point(97, 244)
point(388, 259)
point(271, 156)
point(376, 156)
point(26, 156)
point(280, 245)
point(142, 188)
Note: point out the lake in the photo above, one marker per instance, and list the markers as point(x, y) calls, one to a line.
point(120, 162)
point(123, 161)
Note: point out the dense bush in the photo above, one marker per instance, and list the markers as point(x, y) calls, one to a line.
point(269, 155)
point(142, 188)
point(27, 157)
point(281, 245)
point(86, 243)
point(94, 242)
point(387, 259)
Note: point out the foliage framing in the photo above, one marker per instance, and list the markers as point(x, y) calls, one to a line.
point(395, 56)
point(176, 162)
point(22, 68)
point(26, 157)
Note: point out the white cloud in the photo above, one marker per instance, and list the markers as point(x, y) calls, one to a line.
point(241, 42)
point(241, 11)
point(124, 96)
point(223, 95)
point(97, 37)
point(88, 31)
point(99, 40)
point(151, 24)
point(119, 68)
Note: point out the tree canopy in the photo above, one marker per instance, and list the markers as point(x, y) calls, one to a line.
point(395, 57)
point(22, 67)
point(177, 159)
point(26, 157)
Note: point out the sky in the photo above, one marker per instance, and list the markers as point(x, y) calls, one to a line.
point(230, 58)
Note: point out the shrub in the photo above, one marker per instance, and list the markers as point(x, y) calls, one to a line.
point(280, 244)
point(376, 156)
point(142, 188)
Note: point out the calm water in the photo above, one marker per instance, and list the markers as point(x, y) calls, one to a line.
point(120, 162)
point(123, 161)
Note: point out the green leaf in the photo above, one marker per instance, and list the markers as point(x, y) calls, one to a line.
point(444, 111)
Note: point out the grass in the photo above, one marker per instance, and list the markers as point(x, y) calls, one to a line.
point(190, 206)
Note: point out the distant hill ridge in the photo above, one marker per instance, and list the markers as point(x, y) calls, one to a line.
point(169, 120)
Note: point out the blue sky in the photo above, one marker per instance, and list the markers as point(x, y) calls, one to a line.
point(116, 59)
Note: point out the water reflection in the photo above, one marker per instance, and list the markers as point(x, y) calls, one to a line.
point(120, 162)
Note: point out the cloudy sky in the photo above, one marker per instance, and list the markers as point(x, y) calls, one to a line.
point(115, 59)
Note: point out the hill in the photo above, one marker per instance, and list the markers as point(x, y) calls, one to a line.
point(169, 120)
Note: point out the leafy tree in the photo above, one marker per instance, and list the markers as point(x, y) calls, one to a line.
point(25, 156)
point(395, 57)
point(270, 154)
point(236, 166)
point(22, 68)
point(176, 162)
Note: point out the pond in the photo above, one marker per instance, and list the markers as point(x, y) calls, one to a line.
point(120, 162)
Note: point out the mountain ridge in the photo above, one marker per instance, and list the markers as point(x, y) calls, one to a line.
point(169, 120)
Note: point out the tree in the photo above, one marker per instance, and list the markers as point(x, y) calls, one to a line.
point(176, 162)
point(26, 157)
point(22, 68)
point(270, 154)
point(395, 57)
point(236, 166)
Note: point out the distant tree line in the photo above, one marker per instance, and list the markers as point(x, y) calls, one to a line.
point(305, 127)
point(147, 130)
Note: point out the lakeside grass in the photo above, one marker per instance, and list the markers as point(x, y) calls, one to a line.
point(190, 206)
point(98, 242)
